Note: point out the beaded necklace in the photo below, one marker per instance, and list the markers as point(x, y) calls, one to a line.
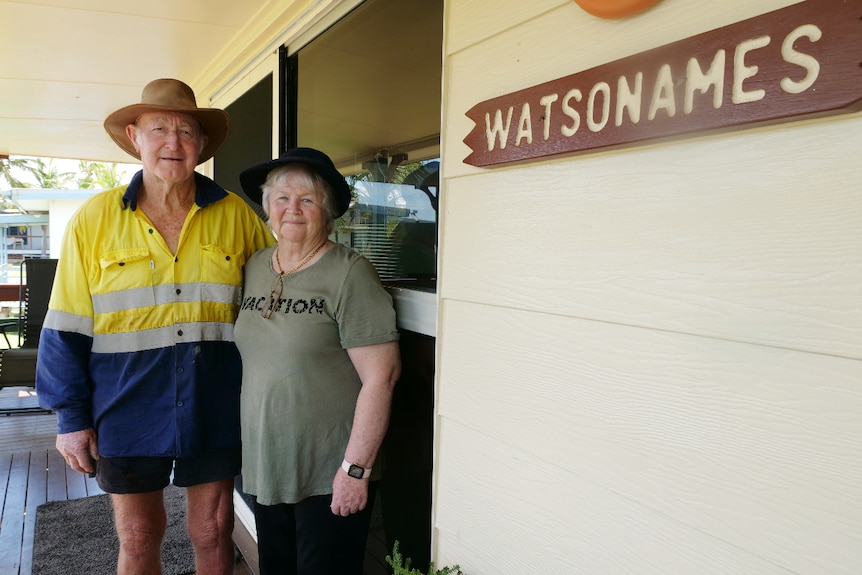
point(304, 261)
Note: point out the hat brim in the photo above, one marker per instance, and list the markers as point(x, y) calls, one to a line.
point(253, 178)
point(215, 124)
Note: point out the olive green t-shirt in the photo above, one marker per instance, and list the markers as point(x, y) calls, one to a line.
point(299, 387)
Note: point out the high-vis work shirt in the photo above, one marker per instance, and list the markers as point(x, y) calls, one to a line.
point(138, 342)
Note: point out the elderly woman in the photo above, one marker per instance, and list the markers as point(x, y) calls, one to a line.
point(316, 332)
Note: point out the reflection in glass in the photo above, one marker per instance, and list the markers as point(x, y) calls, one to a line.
point(394, 225)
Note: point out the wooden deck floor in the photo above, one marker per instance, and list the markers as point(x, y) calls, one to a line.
point(33, 472)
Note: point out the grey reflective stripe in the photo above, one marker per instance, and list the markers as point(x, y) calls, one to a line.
point(64, 321)
point(218, 293)
point(123, 300)
point(166, 293)
point(205, 292)
point(162, 337)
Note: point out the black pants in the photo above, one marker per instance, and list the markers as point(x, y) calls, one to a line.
point(305, 538)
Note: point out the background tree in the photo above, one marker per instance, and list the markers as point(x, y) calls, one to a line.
point(24, 172)
point(48, 175)
point(98, 175)
point(8, 169)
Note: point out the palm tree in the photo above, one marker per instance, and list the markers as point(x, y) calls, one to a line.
point(98, 175)
point(48, 175)
point(9, 166)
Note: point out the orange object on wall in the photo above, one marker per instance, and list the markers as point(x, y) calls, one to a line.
point(614, 8)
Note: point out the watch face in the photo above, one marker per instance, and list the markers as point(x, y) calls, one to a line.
point(356, 471)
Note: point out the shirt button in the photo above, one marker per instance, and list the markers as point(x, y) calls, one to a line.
point(180, 370)
point(179, 291)
point(179, 404)
point(180, 332)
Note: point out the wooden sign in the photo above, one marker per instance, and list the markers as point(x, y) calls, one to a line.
point(803, 60)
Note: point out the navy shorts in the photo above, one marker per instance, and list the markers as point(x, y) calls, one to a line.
point(144, 474)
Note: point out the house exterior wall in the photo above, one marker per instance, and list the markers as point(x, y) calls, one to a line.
point(650, 358)
point(60, 213)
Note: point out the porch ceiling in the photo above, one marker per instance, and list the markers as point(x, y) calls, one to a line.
point(68, 63)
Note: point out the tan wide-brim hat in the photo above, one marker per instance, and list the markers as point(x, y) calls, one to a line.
point(169, 95)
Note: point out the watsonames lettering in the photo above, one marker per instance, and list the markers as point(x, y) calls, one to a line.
point(800, 60)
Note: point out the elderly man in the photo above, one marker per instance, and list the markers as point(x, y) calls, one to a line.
point(137, 355)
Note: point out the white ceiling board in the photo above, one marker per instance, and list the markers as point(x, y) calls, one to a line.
point(63, 139)
point(219, 12)
point(68, 63)
point(78, 45)
point(49, 100)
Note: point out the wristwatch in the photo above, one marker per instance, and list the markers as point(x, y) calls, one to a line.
point(355, 471)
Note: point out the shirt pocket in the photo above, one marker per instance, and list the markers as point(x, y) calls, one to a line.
point(125, 284)
point(222, 264)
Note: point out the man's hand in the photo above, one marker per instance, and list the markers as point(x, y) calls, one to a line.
point(79, 449)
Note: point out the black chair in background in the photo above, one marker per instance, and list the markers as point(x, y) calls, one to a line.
point(18, 365)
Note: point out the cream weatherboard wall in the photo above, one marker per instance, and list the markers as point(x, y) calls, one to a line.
point(649, 359)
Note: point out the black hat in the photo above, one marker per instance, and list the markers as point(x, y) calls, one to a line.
point(253, 178)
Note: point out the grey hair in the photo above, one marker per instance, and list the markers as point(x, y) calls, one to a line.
point(306, 177)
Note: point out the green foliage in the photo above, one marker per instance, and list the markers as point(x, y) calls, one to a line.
point(8, 169)
point(49, 176)
point(406, 173)
point(401, 566)
point(98, 175)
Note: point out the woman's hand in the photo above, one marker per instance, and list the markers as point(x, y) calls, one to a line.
point(349, 495)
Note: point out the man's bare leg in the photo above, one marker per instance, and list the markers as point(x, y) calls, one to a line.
point(210, 524)
point(141, 522)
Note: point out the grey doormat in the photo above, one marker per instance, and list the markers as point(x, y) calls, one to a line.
point(77, 537)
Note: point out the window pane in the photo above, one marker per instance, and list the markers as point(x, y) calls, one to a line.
point(394, 225)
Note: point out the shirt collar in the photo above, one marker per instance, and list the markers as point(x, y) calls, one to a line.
point(206, 191)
